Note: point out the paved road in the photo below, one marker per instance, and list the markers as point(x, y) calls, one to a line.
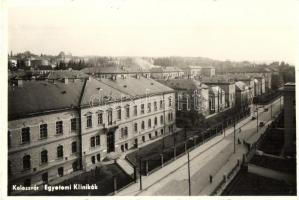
point(216, 161)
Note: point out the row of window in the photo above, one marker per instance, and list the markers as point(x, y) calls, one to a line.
point(127, 113)
point(43, 131)
point(44, 156)
point(45, 176)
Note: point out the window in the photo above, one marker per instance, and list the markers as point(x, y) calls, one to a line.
point(60, 171)
point(135, 127)
point(142, 125)
point(149, 107)
point(100, 118)
point(92, 142)
point(26, 135)
point(124, 132)
point(119, 113)
point(156, 121)
point(59, 128)
point(45, 178)
point(89, 121)
point(162, 131)
point(149, 123)
point(142, 108)
point(169, 101)
point(73, 125)
point(155, 106)
point(161, 119)
point(143, 138)
point(26, 162)
point(97, 140)
point(74, 147)
point(150, 136)
point(161, 104)
point(98, 157)
point(127, 111)
point(110, 117)
point(135, 110)
point(156, 133)
point(126, 146)
point(27, 182)
point(93, 159)
point(44, 156)
point(60, 151)
point(75, 166)
point(43, 131)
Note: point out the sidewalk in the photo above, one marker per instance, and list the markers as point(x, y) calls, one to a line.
point(148, 181)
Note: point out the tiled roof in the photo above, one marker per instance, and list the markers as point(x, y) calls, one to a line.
point(99, 92)
point(184, 84)
point(218, 79)
point(34, 97)
point(71, 74)
point(137, 86)
point(104, 70)
point(40, 96)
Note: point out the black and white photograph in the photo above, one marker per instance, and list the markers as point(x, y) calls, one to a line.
point(148, 98)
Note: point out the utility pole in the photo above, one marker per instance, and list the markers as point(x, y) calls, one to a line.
point(189, 178)
point(234, 136)
point(257, 119)
point(280, 103)
point(140, 175)
point(271, 110)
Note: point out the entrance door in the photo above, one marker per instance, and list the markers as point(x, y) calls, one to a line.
point(110, 141)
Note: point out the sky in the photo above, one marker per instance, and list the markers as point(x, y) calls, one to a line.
point(253, 30)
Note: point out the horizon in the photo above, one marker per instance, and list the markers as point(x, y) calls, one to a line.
point(247, 31)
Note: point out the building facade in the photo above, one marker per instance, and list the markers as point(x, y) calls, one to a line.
point(58, 127)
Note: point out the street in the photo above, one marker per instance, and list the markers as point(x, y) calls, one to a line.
point(217, 160)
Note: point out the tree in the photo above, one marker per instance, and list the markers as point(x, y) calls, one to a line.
point(189, 119)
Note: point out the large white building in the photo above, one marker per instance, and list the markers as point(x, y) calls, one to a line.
point(57, 127)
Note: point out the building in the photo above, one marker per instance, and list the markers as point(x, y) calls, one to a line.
point(289, 99)
point(261, 84)
point(243, 98)
point(166, 73)
point(58, 127)
point(216, 99)
point(190, 94)
point(208, 71)
point(192, 71)
point(228, 85)
point(252, 72)
point(43, 131)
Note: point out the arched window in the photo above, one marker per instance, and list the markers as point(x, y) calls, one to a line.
point(44, 156)
point(26, 162)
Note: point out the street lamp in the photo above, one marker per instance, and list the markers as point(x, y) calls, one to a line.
point(257, 119)
point(234, 136)
point(189, 178)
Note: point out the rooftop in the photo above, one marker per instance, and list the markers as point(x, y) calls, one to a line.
point(184, 84)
